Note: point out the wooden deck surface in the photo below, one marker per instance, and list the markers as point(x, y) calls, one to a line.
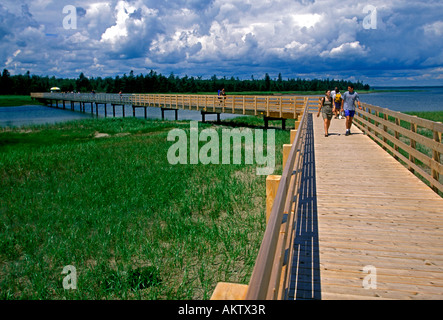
point(367, 211)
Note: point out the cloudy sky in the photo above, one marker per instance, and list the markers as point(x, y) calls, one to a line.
point(395, 42)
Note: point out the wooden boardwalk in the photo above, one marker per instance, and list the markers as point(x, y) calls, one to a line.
point(370, 230)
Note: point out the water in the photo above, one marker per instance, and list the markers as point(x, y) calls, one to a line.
point(36, 115)
point(421, 99)
point(40, 115)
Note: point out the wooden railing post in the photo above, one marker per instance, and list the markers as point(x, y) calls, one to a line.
point(286, 151)
point(297, 124)
point(436, 158)
point(397, 136)
point(229, 291)
point(293, 135)
point(272, 183)
point(413, 146)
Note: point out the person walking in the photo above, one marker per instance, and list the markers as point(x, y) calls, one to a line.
point(326, 110)
point(337, 103)
point(348, 106)
point(221, 95)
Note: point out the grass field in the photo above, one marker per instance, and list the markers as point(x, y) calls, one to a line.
point(14, 101)
point(133, 226)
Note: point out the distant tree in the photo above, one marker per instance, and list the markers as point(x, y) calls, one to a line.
point(267, 82)
point(6, 83)
point(83, 84)
point(158, 83)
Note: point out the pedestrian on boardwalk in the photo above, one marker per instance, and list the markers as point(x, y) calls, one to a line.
point(348, 106)
point(337, 103)
point(325, 108)
point(221, 95)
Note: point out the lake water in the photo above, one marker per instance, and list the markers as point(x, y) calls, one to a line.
point(421, 99)
point(39, 115)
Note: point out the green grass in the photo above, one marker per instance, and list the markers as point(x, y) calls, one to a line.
point(133, 226)
point(14, 101)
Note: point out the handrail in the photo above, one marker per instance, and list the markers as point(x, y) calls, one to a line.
point(399, 134)
point(267, 274)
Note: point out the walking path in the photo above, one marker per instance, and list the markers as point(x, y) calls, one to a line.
point(374, 229)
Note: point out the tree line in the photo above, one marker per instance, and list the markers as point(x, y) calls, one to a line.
point(158, 83)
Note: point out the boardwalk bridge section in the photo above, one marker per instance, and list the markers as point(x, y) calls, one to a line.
point(351, 217)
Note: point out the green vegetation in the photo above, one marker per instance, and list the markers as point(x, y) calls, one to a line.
point(14, 100)
point(158, 83)
point(133, 226)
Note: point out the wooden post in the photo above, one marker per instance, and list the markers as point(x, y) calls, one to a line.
point(436, 158)
point(146, 112)
point(413, 145)
point(296, 124)
point(272, 183)
point(229, 291)
point(293, 135)
point(385, 129)
point(286, 151)
point(397, 137)
point(106, 111)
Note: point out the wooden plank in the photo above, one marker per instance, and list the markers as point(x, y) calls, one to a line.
point(229, 291)
point(371, 210)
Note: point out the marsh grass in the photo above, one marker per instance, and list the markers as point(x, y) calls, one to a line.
point(133, 226)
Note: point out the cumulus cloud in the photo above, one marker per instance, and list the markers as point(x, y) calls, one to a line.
point(224, 37)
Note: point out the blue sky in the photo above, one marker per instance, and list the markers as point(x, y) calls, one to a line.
point(378, 42)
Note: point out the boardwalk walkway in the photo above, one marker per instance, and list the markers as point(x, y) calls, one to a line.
point(369, 228)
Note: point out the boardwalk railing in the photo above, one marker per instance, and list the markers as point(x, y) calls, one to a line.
point(282, 107)
point(414, 141)
point(270, 277)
